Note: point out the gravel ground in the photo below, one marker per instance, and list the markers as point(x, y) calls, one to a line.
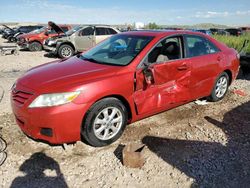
point(189, 146)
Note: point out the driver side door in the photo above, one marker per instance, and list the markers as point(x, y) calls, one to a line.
point(162, 84)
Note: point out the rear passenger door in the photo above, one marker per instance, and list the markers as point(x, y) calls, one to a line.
point(204, 59)
point(84, 39)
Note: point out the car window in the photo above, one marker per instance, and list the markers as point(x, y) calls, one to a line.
point(101, 31)
point(166, 50)
point(197, 46)
point(65, 29)
point(87, 31)
point(51, 31)
point(111, 31)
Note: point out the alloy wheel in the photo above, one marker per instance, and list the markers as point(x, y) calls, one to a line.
point(221, 87)
point(108, 123)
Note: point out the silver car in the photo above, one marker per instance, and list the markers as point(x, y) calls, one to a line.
point(79, 39)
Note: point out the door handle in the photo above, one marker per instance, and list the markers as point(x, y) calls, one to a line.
point(182, 67)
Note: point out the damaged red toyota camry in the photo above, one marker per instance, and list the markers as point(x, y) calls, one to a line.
point(123, 79)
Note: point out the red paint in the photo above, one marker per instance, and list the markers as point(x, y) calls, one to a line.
point(173, 83)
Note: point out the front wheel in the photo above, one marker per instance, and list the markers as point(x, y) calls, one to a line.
point(65, 51)
point(105, 122)
point(220, 87)
point(35, 46)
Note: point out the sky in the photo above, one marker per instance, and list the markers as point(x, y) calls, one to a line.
point(164, 12)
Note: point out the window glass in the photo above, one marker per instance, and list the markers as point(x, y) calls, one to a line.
point(212, 48)
point(111, 31)
point(117, 50)
point(51, 31)
point(65, 29)
point(197, 46)
point(101, 31)
point(168, 49)
point(87, 31)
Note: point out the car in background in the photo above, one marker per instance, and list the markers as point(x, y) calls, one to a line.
point(35, 39)
point(79, 39)
point(5, 29)
point(125, 78)
point(216, 31)
point(21, 30)
point(205, 31)
point(234, 31)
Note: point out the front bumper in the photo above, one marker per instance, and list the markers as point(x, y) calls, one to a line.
point(23, 45)
point(50, 49)
point(55, 125)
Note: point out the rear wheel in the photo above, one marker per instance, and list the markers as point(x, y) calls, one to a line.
point(220, 87)
point(104, 122)
point(65, 51)
point(35, 46)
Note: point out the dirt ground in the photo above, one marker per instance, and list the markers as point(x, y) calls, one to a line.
point(189, 146)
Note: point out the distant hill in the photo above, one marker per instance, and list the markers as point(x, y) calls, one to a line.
point(197, 26)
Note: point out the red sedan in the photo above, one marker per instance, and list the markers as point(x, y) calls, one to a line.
point(123, 79)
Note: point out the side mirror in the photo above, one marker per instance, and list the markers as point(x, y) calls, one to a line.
point(46, 33)
point(149, 75)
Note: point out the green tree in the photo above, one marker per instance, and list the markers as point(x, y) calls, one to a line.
point(152, 26)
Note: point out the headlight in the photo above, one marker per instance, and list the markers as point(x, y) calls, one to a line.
point(51, 42)
point(54, 99)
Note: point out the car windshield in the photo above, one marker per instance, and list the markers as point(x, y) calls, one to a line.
point(117, 50)
point(76, 28)
point(37, 31)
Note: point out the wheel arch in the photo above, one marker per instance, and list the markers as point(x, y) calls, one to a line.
point(120, 98)
point(35, 41)
point(230, 75)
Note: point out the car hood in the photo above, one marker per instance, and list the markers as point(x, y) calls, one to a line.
point(57, 28)
point(61, 74)
point(7, 27)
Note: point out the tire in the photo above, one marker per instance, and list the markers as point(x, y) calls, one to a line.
point(12, 39)
point(97, 130)
point(35, 46)
point(220, 87)
point(65, 51)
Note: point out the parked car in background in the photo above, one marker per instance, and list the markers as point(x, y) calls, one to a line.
point(205, 31)
point(234, 31)
point(123, 79)
point(5, 29)
point(216, 31)
point(79, 39)
point(245, 29)
point(35, 39)
point(21, 30)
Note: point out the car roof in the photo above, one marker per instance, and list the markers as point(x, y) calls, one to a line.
point(162, 33)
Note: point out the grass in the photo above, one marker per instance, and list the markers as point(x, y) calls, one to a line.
point(233, 41)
